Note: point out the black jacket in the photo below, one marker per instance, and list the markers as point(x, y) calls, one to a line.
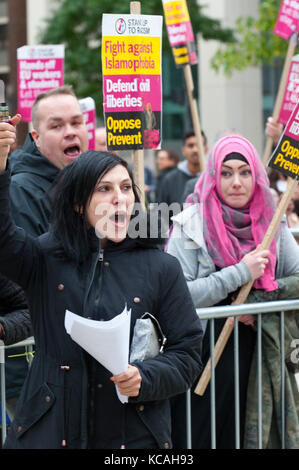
point(15, 319)
point(160, 179)
point(32, 178)
point(55, 403)
point(13, 305)
point(171, 190)
point(173, 185)
point(189, 188)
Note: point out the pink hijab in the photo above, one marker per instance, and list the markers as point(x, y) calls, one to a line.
point(231, 233)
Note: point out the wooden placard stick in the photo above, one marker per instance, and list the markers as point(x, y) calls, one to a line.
point(194, 115)
point(280, 93)
point(138, 155)
point(244, 291)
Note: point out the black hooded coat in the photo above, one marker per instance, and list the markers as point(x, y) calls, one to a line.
point(32, 178)
point(73, 405)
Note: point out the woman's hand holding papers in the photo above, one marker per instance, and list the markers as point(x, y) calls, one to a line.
point(129, 382)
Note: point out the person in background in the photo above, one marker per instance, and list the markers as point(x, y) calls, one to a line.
point(190, 184)
point(149, 184)
point(166, 160)
point(58, 137)
point(149, 181)
point(173, 184)
point(100, 137)
point(69, 399)
point(292, 218)
point(274, 130)
point(15, 326)
point(291, 215)
point(216, 240)
point(100, 141)
point(275, 195)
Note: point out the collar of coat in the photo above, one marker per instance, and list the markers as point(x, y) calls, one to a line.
point(191, 223)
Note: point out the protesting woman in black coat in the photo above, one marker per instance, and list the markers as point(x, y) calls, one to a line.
point(90, 264)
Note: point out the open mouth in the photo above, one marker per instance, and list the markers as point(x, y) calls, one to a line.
point(119, 218)
point(72, 151)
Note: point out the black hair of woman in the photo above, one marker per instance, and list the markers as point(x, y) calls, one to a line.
point(71, 195)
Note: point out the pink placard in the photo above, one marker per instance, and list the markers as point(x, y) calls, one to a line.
point(39, 69)
point(291, 94)
point(292, 127)
point(180, 33)
point(132, 87)
point(90, 119)
point(288, 19)
point(131, 93)
point(89, 113)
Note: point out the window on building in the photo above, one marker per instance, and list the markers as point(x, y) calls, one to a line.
point(271, 80)
point(176, 109)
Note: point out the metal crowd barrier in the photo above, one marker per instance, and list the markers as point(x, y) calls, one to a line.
point(210, 313)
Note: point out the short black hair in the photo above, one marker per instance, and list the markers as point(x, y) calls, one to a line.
point(73, 190)
point(191, 133)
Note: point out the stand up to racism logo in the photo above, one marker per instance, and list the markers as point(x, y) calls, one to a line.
point(120, 26)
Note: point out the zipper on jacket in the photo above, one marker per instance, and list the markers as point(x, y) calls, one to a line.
point(92, 276)
point(86, 415)
point(98, 280)
point(63, 442)
point(123, 426)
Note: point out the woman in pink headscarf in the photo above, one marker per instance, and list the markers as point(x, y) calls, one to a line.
point(215, 239)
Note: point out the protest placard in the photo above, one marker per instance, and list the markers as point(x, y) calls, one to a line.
point(181, 39)
point(180, 32)
point(132, 86)
point(286, 155)
point(287, 26)
point(288, 19)
point(40, 68)
point(89, 113)
point(291, 94)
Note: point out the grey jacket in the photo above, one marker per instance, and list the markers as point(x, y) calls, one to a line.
point(208, 287)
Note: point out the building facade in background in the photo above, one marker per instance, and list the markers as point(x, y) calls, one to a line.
point(236, 101)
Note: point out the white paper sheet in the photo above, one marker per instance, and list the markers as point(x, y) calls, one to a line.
point(106, 341)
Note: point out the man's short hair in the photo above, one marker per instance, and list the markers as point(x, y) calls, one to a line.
point(63, 90)
point(192, 134)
